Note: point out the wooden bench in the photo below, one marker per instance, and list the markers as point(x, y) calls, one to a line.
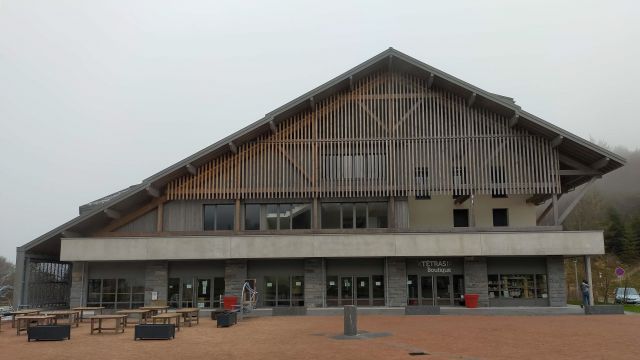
point(121, 322)
point(49, 332)
point(143, 315)
point(167, 317)
point(189, 314)
point(25, 321)
point(154, 332)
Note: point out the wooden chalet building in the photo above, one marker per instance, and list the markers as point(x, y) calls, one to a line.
point(393, 184)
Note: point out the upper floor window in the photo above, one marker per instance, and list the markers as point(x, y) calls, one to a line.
point(460, 217)
point(497, 182)
point(500, 217)
point(219, 217)
point(354, 215)
point(354, 166)
point(277, 216)
point(422, 183)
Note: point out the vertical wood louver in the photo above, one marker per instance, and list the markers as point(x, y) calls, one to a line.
point(389, 136)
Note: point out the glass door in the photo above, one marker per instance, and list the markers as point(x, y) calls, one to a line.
point(426, 290)
point(187, 294)
point(332, 290)
point(362, 292)
point(443, 290)
point(173, 293)
point(346, 290)
point(203, 295)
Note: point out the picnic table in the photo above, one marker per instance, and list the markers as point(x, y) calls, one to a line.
point(143, 315)
point(82, 309)
point(121, 323)
point(73, 316)
point(24, 321)
point(17, 313)
point(156, 309)
point(165, 318)
point(188, 314)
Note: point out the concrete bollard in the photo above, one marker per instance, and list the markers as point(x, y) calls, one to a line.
point(350, 320)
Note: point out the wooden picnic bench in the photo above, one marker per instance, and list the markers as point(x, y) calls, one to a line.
point(188, 314)
point(121, 323)
point(143, 315)
point(24, 321)
point(156, 309)
point(165, 318)
point(82, 309)
point(73, 316)
point(17, 313)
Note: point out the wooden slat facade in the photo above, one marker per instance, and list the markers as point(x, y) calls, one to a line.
point(389, 136)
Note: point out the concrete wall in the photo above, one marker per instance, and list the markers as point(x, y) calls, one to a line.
point(314, 282)
point(79, 278)
point(396, 281)
point(475, 279)
point(19, 278)
point(235, 273)
point(334, 245)
point(156, 280)
point(437, 212)
point(556, 281)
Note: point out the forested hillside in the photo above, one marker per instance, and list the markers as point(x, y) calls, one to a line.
point(612, 205)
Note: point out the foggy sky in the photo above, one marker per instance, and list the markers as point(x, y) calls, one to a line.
point(98, 95)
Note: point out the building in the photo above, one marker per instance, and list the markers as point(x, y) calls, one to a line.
point(393, 184)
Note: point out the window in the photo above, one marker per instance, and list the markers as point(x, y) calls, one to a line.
point(277, 216)
point(353, 166)
point(115, 293)
point(350, 215)
point(284, 291)
point(219, 217)
point(460, 217)
point(500, 217)
point(518, 286)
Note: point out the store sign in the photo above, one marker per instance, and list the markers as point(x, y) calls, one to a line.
point(436, 266)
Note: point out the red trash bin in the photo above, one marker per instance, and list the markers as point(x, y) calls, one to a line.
point(471, 300)
point(229, 302)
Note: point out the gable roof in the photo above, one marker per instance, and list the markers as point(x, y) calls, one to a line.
point(568, 144)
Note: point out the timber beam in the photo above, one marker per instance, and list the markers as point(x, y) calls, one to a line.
point(351, 84)
point(312, 103)
point(272, 126)
point(112, 213)
point(514, 120)
point(430, 79)
point(471, 100)
point(233, 147)
point(461, 199)
point(153, 191)
point(600, 163)
point(556, 141)
point(576, 200)
point(191, 169)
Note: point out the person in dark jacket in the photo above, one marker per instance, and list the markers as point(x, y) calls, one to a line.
point(584, 287)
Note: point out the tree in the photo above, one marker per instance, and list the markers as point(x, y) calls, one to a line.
point(589, 214)
point(614, 233)
point(7, 273)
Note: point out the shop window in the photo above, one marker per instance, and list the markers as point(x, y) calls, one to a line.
point(500, 217)
point(354, 215)
point(219, 217)
point(283, 291)
point(517, 286)
point(460, 217)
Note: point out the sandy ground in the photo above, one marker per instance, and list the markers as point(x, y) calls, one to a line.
point(441, 337)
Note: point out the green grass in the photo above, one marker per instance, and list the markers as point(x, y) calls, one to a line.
point(632, 308)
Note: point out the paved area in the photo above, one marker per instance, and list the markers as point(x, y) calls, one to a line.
point(314, 337)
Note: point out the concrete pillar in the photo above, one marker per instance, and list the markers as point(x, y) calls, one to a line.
point(314, 282)
point(19, 279)
point(350, 320)
point(235, 273)
point(476, 280)
point(587, 271)
point(79, 283)
point(556, 281)
point(156, 278)
point(396, 281)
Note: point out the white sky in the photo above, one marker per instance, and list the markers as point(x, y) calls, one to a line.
point(98, 95)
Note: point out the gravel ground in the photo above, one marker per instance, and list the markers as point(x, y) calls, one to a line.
point(389, 337)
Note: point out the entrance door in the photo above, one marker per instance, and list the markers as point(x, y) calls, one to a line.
point(362, 291)
point(203, 293)
point(346, 290)
point(435, 290)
